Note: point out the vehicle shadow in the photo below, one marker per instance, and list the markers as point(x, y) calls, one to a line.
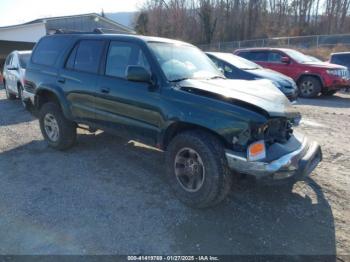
point(106, 187)
point(336, 101)
point(265, 221)
point(13, 113)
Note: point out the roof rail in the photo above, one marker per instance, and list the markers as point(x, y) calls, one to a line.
point(109, 31)
point(65, 31)
point(95, 31)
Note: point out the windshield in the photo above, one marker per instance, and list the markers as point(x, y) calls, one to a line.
point(237, 61)
point(23, 60)
point(180, 61)
point(299, 57)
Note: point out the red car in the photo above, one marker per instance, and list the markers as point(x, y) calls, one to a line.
point(311, 76)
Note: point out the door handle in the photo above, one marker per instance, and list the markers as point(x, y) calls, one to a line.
point(105, 90)
point(61, 80)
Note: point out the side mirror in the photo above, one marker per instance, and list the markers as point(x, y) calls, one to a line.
point(138, 74)
point(285, 60)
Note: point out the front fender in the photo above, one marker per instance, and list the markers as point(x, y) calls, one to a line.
point(223, 118)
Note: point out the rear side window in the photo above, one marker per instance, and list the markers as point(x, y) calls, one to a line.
point(86, 56)
point(48, 50)
point(260, 56)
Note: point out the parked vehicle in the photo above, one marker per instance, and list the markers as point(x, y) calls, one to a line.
point(13, 74)
point(312, 77)
point(342, 58)
point(236, 67)
point(170, 95)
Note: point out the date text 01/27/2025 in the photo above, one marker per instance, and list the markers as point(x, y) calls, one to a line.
point(173, 258)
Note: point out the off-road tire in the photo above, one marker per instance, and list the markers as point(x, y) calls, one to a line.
point(309, 86)
point(329, 92)
point(9, 95)
point(67, 129)
point(218, 178)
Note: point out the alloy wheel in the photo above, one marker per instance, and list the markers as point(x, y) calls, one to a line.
point(51, 127)
point(189, 169)
point(306, 88)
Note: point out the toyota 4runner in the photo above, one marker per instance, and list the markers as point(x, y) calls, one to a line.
point(170, 95)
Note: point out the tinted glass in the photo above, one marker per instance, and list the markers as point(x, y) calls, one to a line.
point(259, 56)
point(71, 59)
point(23, 60)
point(48, 50)
point(274, 57)
point(88, 55)
point(343, 59)
point(121, 55)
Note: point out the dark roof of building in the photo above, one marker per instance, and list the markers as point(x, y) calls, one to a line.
point(41, 20)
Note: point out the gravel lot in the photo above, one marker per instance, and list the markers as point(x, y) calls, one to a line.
point(109, 196)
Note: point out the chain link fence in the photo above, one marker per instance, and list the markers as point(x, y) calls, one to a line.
point(302, 42)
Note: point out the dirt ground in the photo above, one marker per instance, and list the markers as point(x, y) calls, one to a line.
point(110, 196)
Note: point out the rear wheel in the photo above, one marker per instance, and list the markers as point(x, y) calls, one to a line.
point(329, 92)
point(9, 95)
point(197, 169)
point(309, 86)
point(59, 132)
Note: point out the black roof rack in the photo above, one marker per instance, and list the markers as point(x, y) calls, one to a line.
point(95, 31)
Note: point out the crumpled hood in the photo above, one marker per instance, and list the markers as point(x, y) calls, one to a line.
point(261, 93)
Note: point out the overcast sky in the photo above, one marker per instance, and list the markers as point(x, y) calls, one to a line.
point(20, 11)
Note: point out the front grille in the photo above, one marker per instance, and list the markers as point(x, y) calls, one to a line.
point(344, 73)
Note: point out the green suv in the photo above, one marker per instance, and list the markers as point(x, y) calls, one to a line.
point(170, 95)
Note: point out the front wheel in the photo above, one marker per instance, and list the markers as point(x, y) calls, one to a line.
point(309, 86)
point(59, 132)
point(197, 169)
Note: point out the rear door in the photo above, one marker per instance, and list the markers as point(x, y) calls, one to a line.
point(130, 108)
point(79, 76)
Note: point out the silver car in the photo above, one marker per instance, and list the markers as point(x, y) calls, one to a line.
point(13, 74)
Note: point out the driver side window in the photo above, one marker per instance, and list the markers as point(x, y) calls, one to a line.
point(121, 55)
point(274, 57)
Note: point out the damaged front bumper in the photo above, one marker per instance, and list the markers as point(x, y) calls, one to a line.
point(297, 158)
